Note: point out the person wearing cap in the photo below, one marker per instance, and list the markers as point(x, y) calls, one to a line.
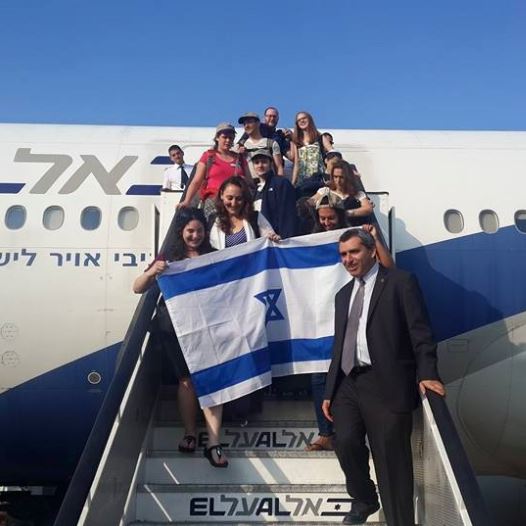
point(214, 167)
point(269, 129)
point(255, 142)
point(330, 212)
point(358, 208)
point(275, 196)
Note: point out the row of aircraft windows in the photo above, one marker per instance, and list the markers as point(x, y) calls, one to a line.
point(128, 219)
point(488, 221)
point(53, 217)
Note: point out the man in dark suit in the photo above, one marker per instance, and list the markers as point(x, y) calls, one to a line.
point(383, 349)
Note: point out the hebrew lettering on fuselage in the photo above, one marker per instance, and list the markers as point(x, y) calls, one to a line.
point(61, 258)
point(91, 165)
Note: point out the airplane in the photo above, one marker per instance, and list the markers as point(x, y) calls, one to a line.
point(80, 219)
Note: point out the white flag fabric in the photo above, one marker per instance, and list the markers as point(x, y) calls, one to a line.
point(253, 311)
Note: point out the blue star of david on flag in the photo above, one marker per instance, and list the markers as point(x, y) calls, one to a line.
point(269, 298)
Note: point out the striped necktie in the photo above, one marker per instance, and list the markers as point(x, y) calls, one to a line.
point(351, 333)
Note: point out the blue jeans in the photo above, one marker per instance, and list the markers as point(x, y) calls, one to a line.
point(318, 391)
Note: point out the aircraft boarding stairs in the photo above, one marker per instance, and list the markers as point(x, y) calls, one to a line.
point(131, 473)
point(270, 477)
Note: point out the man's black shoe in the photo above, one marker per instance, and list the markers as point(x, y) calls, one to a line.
point(360, 511)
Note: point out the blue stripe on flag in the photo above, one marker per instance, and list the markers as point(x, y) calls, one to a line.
point(256, 363)
point(301, 350)
point(230, 373)
point(248, 265)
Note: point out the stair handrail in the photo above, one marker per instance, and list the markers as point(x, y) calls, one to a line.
point(85, 472)
point(458, 459)
point(462, 470)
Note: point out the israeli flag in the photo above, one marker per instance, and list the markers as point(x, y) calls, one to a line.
point(257, 310)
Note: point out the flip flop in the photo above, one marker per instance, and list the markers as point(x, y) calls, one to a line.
point(187, 444)
point(219, 452)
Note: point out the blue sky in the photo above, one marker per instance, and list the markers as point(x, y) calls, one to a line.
point(411, 64)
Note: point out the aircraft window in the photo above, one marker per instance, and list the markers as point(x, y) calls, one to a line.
point(453, 221)
point(90, 218)
point(15, 217)
point(128, 218)
point(520, 220)
point(489, 222)
point(53, 217)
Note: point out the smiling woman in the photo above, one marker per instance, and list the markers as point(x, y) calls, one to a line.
point(236, 221)
point(214, 167)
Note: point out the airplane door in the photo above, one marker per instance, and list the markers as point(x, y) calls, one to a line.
point(168, 200)
point(383, 216)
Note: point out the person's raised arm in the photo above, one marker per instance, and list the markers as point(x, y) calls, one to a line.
point(365, 208)
point(145, 280)
point(383, 255)
point(195, 185)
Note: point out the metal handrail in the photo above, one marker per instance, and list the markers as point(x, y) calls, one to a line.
point(84, 475)
point(464, 475)
point(462, 470)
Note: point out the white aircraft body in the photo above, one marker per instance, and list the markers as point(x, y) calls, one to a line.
point(79, 219)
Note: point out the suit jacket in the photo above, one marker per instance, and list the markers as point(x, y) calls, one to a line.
point(278, 205)
point(399, 339)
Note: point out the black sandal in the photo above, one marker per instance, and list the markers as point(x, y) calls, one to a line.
point(219, 452)
point(187, 444)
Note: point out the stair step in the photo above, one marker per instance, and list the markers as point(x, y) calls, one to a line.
point(267, 523)
point(281, 410)
point(249, 503)
point(249, 467)
point(256, 435)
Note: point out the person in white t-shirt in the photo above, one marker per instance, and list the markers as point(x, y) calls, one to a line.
point(255, 142)
point(176, 177)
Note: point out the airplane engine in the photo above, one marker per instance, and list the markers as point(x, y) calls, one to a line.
point(490, 402)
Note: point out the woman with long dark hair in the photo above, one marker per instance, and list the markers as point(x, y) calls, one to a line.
point(191, 240)
point(236, 220)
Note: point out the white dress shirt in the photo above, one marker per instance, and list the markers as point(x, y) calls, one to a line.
point(362, 350)
point(172, 176)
